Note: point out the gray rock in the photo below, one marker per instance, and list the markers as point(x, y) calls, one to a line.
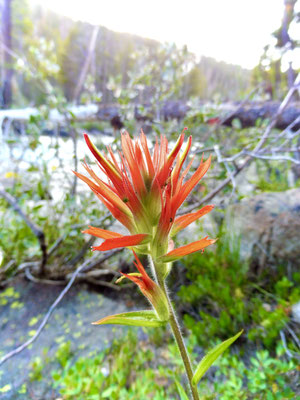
point(268, 227)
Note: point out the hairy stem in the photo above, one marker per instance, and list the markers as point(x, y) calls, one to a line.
point(179, 339)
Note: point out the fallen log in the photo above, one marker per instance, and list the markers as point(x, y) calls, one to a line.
point(249, 115)
point(226, 113)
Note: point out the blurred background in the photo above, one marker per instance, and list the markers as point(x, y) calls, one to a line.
point(227, 70)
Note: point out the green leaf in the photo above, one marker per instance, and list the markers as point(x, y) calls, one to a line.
point(182, 394)
point(135, 318)
point(211, 357)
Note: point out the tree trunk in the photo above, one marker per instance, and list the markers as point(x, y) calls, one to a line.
point(7, 44)
point(86, 65)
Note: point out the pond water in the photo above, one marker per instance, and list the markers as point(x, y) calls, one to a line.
point(49, 149)
point(53, 155)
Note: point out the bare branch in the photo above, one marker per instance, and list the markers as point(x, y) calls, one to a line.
point(289, 353)
point(35, 229)
point(60, 240)
point(248, 158)
point(88, 264)
point(86, 65)
point(280, 110)
point(273, 158)
point(219, 157)
point(293, 334)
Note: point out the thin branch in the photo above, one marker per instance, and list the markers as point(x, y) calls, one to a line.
point(45, 319)
point(280, 110)
point(293, 334)
point(39, 234)
point(274, 158)
point(283, 339)
point(87, 246)
point(219, 157)
point(289, 353)
point(286, 130)
point(88, 264)
point(52, 282)
point(60, 240)
point(249, 158)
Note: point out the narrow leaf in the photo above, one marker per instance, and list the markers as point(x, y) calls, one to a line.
point(182, 394)
point(134, 318)
point(187, 249)
point(211, 357)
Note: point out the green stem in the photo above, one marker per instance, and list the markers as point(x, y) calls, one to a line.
point(179, 339)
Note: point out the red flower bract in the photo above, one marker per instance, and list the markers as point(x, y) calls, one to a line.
point(144, 192)
point(149, 289)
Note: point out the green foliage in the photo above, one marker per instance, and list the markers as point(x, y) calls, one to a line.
point(265, 378)
point(132, 369)
point(71, 49)
point(220, 288)
point(271, 177)
point(196, 83)
point(64, 354)
point(222, 296)
point(38, 365)
point(121, 372)
point(17, 241)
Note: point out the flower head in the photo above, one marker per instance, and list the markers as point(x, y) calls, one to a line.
point(144, 192)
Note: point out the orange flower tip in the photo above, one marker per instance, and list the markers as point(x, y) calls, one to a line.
point(187, 249)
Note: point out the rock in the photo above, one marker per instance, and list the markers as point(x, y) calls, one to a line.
point(268, 226)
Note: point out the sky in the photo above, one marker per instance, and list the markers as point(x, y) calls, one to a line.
point(234, 31)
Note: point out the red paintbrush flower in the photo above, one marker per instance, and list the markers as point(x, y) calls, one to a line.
point(144, 192)
point(149, 289)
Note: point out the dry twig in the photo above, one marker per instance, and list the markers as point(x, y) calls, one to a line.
point(249, 157)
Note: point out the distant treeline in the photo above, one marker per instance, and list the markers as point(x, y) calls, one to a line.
point(53, 48)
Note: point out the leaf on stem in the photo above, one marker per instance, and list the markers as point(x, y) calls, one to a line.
point(182, 394)
point(211, 357)
point(134, 318)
